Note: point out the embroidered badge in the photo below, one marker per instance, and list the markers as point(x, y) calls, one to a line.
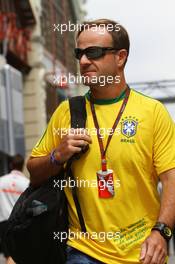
point(129, 126)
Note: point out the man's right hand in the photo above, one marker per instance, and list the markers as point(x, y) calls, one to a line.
point(41, 168)
point(72, 143)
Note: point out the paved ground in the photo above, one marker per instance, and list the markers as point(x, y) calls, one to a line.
point(171, 261)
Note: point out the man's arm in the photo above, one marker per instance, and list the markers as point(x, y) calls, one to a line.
point(41, 168)
point(154, 248)
point(167, 209)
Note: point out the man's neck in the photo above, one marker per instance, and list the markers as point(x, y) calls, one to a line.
point(108, 92)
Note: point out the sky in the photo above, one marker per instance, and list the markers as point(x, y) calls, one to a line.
point(151, 27)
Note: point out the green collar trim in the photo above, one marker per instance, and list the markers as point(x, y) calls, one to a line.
point(106, 101)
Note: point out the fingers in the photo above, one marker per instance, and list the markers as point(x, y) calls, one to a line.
point(162, 260)
point(76, 135)
point(160, 255)
point(154, 249)
point(78, 131)
point(143, 251)
point(156, 255)
point(78, 143)
point(72, 143)
point(73, 149)
point(150, 251)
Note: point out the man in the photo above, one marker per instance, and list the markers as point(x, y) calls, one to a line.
point(140, 152)
point(11, 186)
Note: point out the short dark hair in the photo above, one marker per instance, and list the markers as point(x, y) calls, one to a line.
point(17, 162)
point(120, 37)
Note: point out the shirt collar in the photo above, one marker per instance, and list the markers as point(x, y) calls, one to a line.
point(106, 101)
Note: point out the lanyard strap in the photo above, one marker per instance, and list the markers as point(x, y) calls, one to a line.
point(102, 150)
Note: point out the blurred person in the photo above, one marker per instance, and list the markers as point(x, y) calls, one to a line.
point(141, 153)
point(11, 187)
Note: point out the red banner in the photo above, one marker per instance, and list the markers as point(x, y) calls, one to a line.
point(17, 38)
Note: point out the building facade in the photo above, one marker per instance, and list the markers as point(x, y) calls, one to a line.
point(32, 52)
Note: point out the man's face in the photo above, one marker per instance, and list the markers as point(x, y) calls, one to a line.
point(103, 66)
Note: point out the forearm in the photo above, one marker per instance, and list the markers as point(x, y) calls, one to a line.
point(41, 169)
point(154, 248)
point(167, 209)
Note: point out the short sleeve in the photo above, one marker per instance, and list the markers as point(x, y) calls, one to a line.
point(163, 140)
point(54, 131)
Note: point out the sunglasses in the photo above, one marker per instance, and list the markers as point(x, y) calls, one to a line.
point(92, 52)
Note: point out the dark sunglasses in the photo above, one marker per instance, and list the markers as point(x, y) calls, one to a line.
point(92, 52)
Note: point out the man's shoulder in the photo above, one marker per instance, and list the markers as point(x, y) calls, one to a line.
point(63, 106)
point(143, 98)
point(150, 106)
point(63, 110)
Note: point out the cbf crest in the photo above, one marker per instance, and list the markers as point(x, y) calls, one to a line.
point(129, 126)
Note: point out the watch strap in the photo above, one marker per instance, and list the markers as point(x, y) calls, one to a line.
point(163, 229)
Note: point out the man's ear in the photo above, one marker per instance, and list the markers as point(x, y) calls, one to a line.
point(121, 57)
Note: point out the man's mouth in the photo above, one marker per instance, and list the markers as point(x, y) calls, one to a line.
point(87, 72)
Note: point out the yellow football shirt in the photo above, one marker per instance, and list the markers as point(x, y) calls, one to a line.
point(142, 147)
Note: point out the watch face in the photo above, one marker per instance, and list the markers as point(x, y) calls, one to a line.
point(167, 232)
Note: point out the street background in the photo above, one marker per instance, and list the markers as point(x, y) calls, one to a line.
point(33, 51)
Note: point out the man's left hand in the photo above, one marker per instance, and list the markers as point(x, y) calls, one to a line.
point(154, 249)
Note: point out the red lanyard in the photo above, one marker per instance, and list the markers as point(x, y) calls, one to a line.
point(102, 150)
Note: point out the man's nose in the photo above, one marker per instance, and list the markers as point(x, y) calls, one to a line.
point(84, 60)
